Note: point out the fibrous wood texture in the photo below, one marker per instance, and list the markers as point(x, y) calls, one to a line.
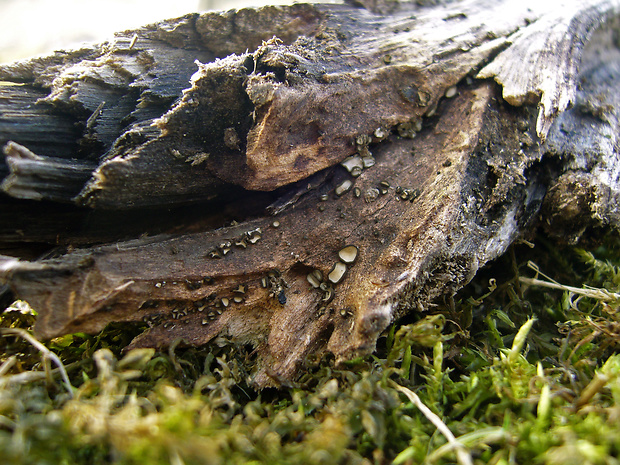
point(325, 168)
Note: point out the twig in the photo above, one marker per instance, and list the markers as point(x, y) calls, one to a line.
point(486, 436)
point(599, 294)
point(7, 365)
point(30, 376)
point(47, 354)
point(591, 389)
point(595, 293)
point(462, 455)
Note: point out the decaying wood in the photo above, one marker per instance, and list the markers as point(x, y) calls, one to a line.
point(273, 116)
point(442, 169)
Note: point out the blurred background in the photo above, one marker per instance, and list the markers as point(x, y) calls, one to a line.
point(35, 27)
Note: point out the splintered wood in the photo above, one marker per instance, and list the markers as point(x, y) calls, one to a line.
point(311, 188)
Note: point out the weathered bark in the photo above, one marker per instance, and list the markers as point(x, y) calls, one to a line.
point(443, 173)
point(273, 116)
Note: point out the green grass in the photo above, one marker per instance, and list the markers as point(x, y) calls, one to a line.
point(516, 374)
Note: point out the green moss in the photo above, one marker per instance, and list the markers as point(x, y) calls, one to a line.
point(518, 375)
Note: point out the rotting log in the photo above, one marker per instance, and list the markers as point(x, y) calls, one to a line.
point(310, 188)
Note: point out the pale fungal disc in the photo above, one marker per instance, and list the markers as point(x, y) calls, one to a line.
point(384, 187)
point(368, 162)
point(318, 275)
point(313, 281)
point(371, 195)
point(328, 295)
point(348, 254)
point(363, 139)
point(344, 187)
point(406, 130)
point(337, 272)
point(352, 162)
point(451, 92)
point(380, 133)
